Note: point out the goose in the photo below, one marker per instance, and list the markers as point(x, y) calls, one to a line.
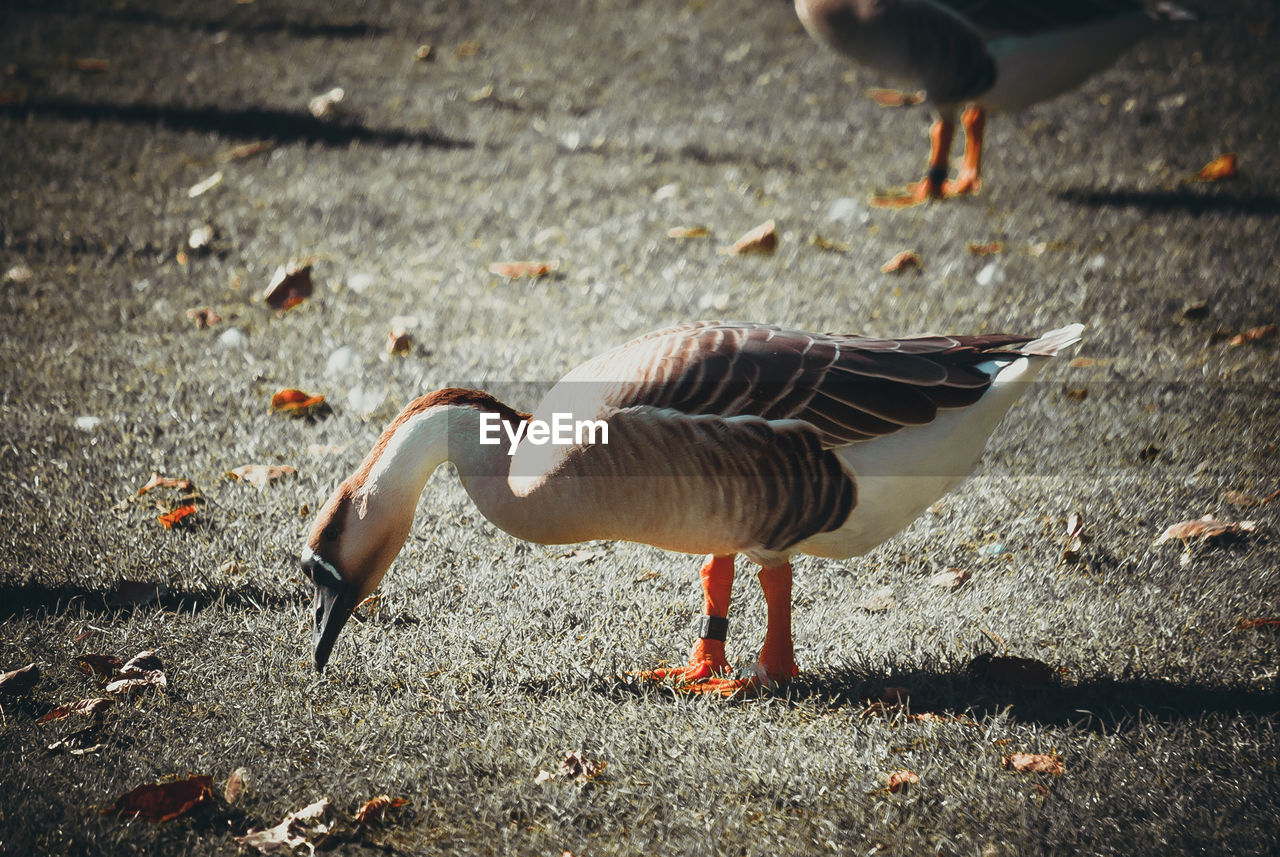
point(991, 55)
point(714, 438)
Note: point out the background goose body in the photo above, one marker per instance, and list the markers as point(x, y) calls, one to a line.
point(993, 55)
point(723, 438)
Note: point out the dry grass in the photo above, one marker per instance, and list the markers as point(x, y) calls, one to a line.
point(486, 659)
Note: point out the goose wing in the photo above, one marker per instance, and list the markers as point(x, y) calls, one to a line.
point(848, 388)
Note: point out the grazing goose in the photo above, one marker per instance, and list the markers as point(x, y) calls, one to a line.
point(996, 55)
point(709, 438)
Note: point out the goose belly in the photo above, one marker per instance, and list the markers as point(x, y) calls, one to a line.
point(1034, 68)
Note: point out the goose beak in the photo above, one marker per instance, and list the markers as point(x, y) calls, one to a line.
point(331, 608)
point(331, 605)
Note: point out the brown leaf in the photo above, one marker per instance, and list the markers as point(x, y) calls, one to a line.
point(1008, 669)
point(147, 659)
point(374, 808)
point(158, 481)
point(204, 317)
point(761, 240)
point(290, 285)
point(575, 766)
point(18, 682)
point(1256, 334)
point(898, 779)
point(951, 578)
point(1245, 624)
point(904, 261)
point(295, 402)
point(688, 232)
point(85, 706)
point(248, 150)
point(168, 519)
point(1221, 167)
point(532, 270)
point(237, 783)
point(895, 97)
point(985, 249)
point(103, 666)
point(261, 475)
point(399, 343)
point(90, 64)
point(1034, 763)
point(164, 801)
point(1204, 529)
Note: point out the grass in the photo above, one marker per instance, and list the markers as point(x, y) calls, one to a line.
point(485, 660)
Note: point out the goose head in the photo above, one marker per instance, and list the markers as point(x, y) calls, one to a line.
point(363, 525)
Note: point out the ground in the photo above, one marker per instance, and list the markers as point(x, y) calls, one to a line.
point(582, 132)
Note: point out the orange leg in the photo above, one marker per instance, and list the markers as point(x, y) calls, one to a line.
point(931, 186)
point(969, 180)
point(707, 658)
point(777, 664)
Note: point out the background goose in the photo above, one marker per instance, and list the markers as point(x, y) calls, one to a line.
point(713, 438)
point(989, 54)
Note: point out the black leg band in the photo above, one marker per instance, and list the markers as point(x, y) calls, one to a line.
point(937, 175)
point(713, 628)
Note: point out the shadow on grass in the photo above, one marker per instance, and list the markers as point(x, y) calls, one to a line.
point(184, 21)
point(1102, 704)
point(37, 599)
point(283, 126)
point(1188, 199)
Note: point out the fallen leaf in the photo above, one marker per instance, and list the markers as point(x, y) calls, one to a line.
point(688, 232)
point(985, 249)
point(1245, 624)
point(575, 766)
point(1076, 394)
point(158, 481)
point(951, 578)
point(164, 801)
point(1221, 167)
point(237, 783)
point(261, 475)
point(204, 317)
point(202, 187)
point(18, 682)
point(399, 342)
point(91, 64)
point(895, 97)
point(293, 831)
point(102, 666)
point(1034, 763)
point(828, 245)
point(374, 808)
point(878, 601)
point(1256, 334)
point(136, 680)
point(532, 270)
point(147, 659)
point(904, 261)
point(1012, 670)
point(248, 150)
point(295, 402)
point(169, 519)
point(325, 104)
point(1075, 538)
point(85, 707)
point(898, 779)
point(761, 240)
point(289, 286)
point(1204, 529)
